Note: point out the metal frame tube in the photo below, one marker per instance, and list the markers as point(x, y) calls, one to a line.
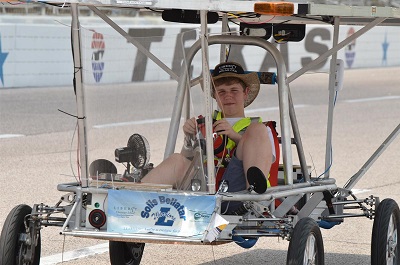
point(133, 41)
point(356, 177)
point(331, 103)
point(80, 95)
point(281, 194)
point(207, 100)
point(177, 111)
point(282, 87)
point(70, 215)
point(137, 238)
point(340, 46)
point(297, 138)
point(222, 52)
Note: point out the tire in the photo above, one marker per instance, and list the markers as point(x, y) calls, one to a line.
point(306, 246)
point(385, 234)
point(124, 253)
point(11, 249)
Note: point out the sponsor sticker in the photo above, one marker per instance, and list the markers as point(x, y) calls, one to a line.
point(159, 213)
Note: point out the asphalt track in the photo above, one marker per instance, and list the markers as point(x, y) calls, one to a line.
point(38, 150)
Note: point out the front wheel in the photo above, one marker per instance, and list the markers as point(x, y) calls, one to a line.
point(125, 253)
point(17, 246)
point(385, 234)
point(306, 246)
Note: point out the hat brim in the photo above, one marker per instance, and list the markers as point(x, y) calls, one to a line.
point(251, 80)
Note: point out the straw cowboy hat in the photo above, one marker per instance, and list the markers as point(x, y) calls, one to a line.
point(231, 69)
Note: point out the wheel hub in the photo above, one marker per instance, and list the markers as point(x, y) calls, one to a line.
point(391, 248)
point(310, 251)
point(391, 242)
point(25, 252)
point(21, 259)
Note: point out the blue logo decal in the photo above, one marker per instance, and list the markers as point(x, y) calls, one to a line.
point(162, 216)
point(385, 46)
point(3, 56)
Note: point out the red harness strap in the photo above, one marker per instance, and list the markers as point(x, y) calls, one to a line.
point(273, 172)
point(225, 156)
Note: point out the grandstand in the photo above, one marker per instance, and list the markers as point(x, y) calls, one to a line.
point(41, 9)
point(21, 8)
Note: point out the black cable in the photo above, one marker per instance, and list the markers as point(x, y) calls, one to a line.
point(316, 19)
point(75, 116)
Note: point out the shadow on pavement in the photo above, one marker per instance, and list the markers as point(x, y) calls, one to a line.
point(276, 257)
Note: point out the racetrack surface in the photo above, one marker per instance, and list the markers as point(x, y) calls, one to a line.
point(36, 154)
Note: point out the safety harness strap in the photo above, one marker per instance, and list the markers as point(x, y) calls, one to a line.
point(238, 127)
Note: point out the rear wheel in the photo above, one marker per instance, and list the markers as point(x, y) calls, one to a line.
point(306, 246)
point(385, 234)
point(15, 243)
point(125, 253)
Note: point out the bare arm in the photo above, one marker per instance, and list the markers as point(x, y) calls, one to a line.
point(189, 129)
point(222, 127)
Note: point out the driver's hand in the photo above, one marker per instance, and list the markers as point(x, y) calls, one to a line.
point(224, 127)
point(189, 128)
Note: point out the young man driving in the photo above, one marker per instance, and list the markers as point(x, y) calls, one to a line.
point(249, 142)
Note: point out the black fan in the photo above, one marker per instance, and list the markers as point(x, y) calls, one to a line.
point(141, 150)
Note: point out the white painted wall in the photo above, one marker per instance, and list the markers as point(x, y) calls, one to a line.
point(35, 54)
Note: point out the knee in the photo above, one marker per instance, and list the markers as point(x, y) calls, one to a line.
point(255, 136)
point(256, 131)
point(177, 160)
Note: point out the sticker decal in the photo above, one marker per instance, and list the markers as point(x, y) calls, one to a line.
point(98, 46)
point(159, 213)
point(3, 57)
point(350, 50)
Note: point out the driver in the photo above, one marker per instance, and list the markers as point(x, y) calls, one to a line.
point(249, 144)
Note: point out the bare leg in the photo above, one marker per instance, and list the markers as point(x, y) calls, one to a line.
point(254, 149)
point(171, 171)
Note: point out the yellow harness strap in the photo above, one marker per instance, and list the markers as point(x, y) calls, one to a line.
point(238, 127)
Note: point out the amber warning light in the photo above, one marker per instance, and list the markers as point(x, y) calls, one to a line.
point(274, 9)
